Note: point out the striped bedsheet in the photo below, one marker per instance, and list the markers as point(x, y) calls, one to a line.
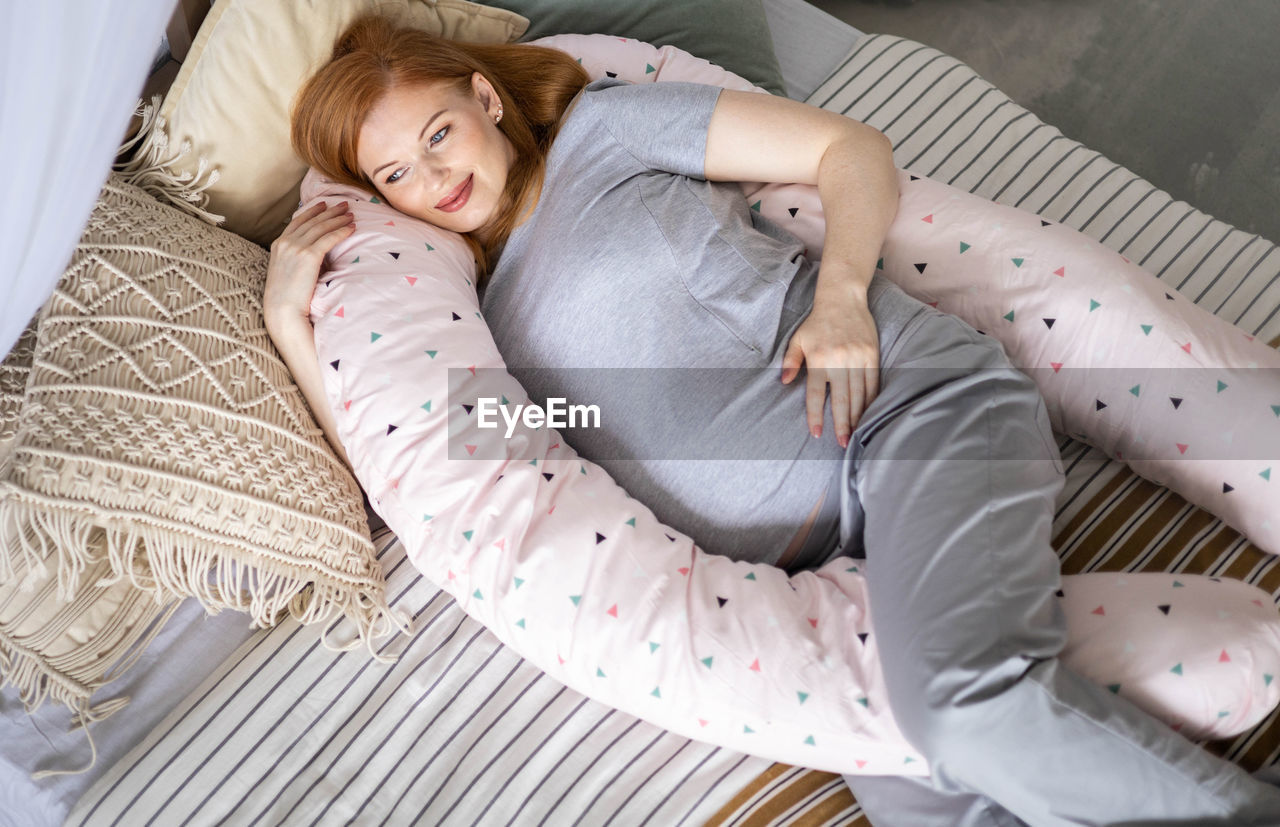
point(949, 124)
point(459, 731)
point(462, 731)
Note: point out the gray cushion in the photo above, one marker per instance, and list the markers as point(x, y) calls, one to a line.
point(733, 34)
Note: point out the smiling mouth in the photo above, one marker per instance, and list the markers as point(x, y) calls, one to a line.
point(458, 198)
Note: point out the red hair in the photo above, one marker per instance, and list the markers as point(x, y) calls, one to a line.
point(374, 55)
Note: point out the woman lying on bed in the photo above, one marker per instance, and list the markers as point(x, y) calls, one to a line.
point(610, 242)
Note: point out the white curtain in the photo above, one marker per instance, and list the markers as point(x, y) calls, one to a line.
point(70, 74)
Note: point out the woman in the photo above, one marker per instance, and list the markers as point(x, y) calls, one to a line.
point(612, 242)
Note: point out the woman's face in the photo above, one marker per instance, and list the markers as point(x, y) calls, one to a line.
point(437, 154)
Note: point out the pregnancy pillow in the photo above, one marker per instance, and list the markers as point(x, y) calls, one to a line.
point(549, 553)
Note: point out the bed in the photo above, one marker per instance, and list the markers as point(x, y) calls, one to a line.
point(271, 726)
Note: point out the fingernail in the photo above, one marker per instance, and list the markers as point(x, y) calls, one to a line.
point(844, 441)
point(816, 430)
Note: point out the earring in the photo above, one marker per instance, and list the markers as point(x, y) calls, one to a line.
point(499, 115)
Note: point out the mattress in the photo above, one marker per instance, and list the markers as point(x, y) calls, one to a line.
point(461, 730)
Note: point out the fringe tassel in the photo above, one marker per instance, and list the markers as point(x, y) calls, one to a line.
point(151, 167)
point(158, 561)
point(71, 678)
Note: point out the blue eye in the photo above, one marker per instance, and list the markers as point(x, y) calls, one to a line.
point(433, 140)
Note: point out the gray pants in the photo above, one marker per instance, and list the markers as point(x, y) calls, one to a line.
point(951, 476)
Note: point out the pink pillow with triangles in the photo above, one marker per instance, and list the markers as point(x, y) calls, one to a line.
point(559, 563)
point(548, 552)
point(1124, 362)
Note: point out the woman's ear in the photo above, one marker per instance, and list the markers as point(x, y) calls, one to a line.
point(485, 93)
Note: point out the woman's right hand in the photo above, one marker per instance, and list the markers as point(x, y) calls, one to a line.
point(296, 257)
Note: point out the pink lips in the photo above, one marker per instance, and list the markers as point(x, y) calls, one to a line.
point(457, 199)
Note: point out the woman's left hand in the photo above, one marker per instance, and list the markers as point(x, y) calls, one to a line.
point(840, 346)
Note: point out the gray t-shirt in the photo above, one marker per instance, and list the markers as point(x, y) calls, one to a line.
point(663, 299)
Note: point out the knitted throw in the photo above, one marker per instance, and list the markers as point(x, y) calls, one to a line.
point(14, 371)
point(160, 431)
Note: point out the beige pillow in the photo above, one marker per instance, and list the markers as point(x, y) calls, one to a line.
point(232, 96)
point(160, 429)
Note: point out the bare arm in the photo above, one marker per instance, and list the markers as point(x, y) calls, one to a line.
point(295, 339)
point(296, 257)
point(754, 137)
